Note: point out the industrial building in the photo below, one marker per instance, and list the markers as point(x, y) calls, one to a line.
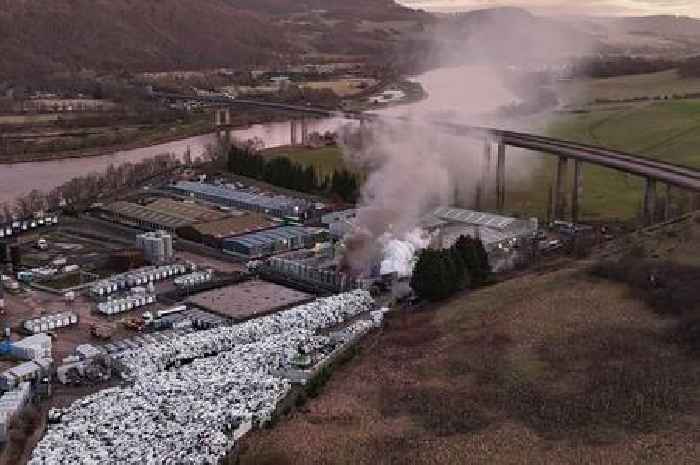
point(507, 240)
point(214, 232)
point(495, 231)
point(229, 196)
point(339, 223)
point(272, 241)
point(163, 214)
point(312, 269)
point(157, 246)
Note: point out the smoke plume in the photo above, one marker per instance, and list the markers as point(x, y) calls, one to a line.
point(413, 167)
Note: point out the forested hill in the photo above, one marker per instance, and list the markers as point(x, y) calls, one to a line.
point(41, 36)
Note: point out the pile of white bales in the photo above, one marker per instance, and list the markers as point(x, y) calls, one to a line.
point(190, 391)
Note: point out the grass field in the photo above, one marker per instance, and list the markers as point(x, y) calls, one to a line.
point(666, 83)
point(342, 87)
point(324, 159)
point(556, 367)
point(668, 131)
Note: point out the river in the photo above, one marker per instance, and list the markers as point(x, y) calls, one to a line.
point(462, 91)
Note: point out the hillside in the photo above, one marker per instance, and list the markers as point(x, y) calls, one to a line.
point(514, 35)
point(664, 36)
point(570, 366)
point(57, 35)
point(44, 36)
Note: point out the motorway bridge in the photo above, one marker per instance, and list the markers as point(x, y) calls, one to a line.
point(652, 171)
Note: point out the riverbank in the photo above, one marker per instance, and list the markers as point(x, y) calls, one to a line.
point(157, 137)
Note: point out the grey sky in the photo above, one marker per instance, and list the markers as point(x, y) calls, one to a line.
point(592, 7)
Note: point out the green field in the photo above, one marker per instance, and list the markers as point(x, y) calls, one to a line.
point(324, 159)
point(667, 130)
point(663, 84)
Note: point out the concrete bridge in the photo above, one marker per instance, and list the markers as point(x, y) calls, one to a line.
point(654, 172)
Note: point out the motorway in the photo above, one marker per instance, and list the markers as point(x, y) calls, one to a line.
point(675, 175)
point(668, 173)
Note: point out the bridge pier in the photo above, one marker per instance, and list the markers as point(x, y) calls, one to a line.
point(293, 128)
point(649, 208)
point(693, 201)
point(482, 186)
point(227, 117)
point(558, 190)
point(667, 203)
point(501, 177)
point(304, 132)
point(577, 191)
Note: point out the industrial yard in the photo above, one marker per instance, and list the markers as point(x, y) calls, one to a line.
point(187, 290)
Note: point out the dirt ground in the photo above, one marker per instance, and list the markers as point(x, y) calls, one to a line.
point(248, 299)
point(552, 368)
point(31, 304)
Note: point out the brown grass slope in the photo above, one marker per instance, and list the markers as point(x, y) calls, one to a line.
point(552, 368)
point(50, 35)
point(40, 36)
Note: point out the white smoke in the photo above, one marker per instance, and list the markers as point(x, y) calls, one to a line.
point(412, 166)
point(399, 255)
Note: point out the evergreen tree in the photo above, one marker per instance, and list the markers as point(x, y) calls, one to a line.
point(432, 278)
point(475, 258)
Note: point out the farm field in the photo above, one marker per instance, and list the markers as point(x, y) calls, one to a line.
point(667, 130)
point(662, 84)
point(556, 367)
point(324, 159)
point(342, 87)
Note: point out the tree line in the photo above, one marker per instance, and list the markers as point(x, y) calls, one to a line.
point(85, 190)
point(245, 160)
point(620, 66)
point(440, 273)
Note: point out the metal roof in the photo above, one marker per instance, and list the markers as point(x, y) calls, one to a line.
point(472, 217)
point(273, 202)
point(141, 213)
point(269, 236)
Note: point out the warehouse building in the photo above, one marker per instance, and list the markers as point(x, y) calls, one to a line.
point(273, 241)
point(339, 223)
point(495, 231)
point(157, 246)
point(272, 205)
point(132, 214)
point(163, 214)
point(214, 232)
